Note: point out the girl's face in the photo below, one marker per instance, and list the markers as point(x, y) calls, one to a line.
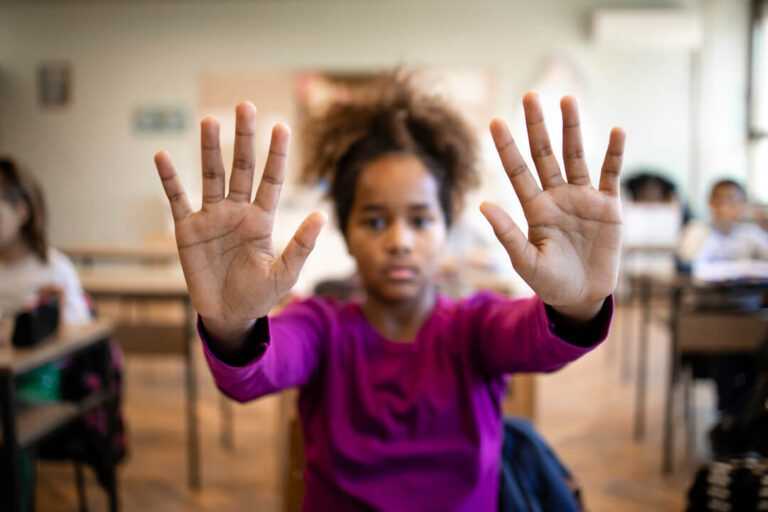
point(396, 229)
point(12, 218)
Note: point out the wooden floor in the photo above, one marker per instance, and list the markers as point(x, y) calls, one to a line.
point(585, 412)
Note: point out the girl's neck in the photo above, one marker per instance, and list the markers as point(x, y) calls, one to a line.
point(400, 320)
point(14, 251)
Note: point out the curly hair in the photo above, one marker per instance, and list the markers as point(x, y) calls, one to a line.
point(18, 185)
point(388, 115)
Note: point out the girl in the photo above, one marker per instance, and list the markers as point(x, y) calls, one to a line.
point(400, 393)
point(29, 268)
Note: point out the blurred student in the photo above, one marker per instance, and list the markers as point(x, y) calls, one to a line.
point(31, 270)
point(726, 237)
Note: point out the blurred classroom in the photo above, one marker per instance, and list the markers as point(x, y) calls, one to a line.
point(90, 90)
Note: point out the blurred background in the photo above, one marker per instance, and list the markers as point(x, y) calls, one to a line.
point(90, 90)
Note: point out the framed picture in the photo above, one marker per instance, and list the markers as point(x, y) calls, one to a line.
point(54, 84)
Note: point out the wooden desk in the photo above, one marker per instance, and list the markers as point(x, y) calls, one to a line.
point(88, 254)
point(24, 427)
point(694, 331)
point(146, 285)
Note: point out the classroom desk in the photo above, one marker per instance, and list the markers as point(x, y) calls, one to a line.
point(88, 254)
point(694, 330)
point(148, 284)
point(24, 427)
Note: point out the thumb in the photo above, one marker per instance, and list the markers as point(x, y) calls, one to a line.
point(521, 252)
point(302, 243)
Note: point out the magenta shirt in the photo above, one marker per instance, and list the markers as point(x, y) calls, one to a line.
point(402, 426)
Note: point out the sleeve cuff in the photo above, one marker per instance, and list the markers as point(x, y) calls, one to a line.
point(585, 335)
point(253, 348)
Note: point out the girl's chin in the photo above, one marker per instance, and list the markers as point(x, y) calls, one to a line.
point(398, 292)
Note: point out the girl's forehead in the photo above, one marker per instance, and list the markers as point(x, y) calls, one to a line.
point(395, 180)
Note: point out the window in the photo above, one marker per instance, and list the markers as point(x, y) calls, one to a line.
point(758, 101)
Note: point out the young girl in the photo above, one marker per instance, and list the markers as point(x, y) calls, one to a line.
point(401, 393)
point(29, 268)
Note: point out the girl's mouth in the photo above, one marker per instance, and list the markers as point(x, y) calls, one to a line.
point(400, 273)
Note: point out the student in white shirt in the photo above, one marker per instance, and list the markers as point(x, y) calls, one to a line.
point(29, 268)
point(726, 237)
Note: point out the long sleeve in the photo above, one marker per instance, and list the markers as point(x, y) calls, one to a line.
point(76, 308)
point(288, 351)
point(518, 335)
point(761, 243)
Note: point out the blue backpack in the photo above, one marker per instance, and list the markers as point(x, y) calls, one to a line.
point(532, 478)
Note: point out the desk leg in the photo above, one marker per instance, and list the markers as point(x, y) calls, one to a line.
point(11, 485)
point(668, 445)
point(227, 423)
point(628, 332)
point(642, 360)
point(193, 442)
point(111, 410)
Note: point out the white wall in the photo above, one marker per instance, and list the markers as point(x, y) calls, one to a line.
point(99, 174)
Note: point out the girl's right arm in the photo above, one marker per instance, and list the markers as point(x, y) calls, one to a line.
point(232, 272)
point(279, 352)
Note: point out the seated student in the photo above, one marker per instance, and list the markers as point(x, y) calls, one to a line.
point(29, 268)
point(726, 238)
point(400, 392)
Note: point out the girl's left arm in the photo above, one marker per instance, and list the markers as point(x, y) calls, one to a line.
point(525, 335)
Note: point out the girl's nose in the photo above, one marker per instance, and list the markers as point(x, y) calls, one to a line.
point(399, 238)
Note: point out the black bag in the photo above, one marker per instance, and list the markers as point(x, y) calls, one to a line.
point(34, 326)
point(738, 484)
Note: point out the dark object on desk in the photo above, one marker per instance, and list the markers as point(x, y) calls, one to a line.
point(739, 484)
point(34, 326)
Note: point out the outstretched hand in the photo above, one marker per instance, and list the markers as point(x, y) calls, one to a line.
point(570, 257)
point(225, 248)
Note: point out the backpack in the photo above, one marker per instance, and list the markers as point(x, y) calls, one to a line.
point(532, 477)
point(738, 484)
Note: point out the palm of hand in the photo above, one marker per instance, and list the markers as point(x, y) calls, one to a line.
point(571, 254)
point(230, 266)
point(577, 233)
point(228, 248)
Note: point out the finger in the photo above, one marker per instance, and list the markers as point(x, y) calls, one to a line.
point(609, 176)
point(522, 179)
point(538, 138)
point(174, 190)
point(268, 192)
point(213, 169)
point(302, 243)
point(573, 150)
point(243, 163)
point(521, 252)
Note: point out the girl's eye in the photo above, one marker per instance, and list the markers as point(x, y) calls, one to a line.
point(376, 223)
point(421, 222)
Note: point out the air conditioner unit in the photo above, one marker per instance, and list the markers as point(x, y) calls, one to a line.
point(647, 28)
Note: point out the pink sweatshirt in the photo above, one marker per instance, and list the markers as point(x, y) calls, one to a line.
point(402, 426)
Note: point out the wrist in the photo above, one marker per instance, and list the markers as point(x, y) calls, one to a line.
point(226, 333)
point(579, 313)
